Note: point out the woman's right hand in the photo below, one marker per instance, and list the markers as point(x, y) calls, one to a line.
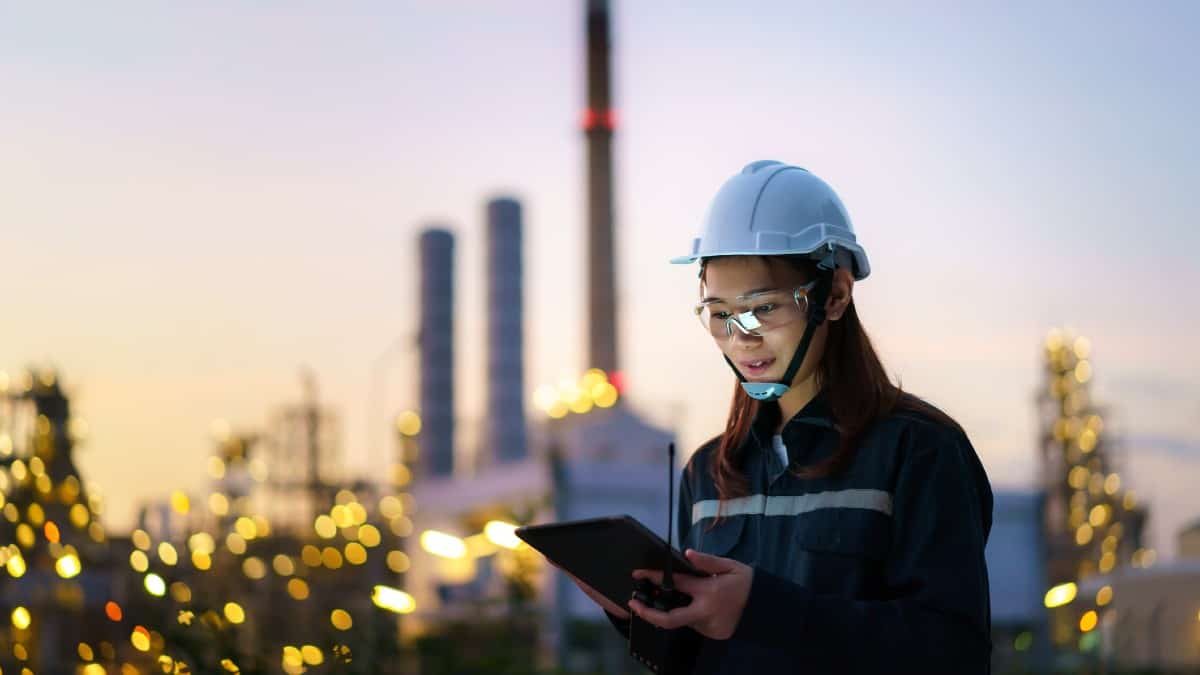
point(608, 605)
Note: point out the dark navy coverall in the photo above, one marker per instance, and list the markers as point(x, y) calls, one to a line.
point(879, 569)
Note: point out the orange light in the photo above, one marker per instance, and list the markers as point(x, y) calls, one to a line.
point(113, 610)
point(51, 531)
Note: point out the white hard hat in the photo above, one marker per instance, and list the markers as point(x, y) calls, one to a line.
point(772, 208)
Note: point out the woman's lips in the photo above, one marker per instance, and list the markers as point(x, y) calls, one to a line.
point(751, 370)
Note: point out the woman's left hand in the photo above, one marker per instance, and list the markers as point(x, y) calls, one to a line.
point(717, 600)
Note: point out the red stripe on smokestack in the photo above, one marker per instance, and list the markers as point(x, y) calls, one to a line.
point(598, 130)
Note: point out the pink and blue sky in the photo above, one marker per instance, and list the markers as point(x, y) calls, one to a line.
point(198, 198)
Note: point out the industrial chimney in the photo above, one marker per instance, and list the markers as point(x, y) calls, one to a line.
point(436, 343)
point(505, 356)
point(598, 126)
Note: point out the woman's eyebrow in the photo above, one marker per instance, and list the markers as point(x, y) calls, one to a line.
point(711, 299)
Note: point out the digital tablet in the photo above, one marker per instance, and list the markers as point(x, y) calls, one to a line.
point(604, 552)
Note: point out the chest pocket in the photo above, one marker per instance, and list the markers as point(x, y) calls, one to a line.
point(722, 540)
point(840, 552)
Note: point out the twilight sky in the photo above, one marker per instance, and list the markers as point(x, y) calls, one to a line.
point(198, 198)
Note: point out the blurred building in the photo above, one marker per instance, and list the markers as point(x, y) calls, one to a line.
point(1017, 580)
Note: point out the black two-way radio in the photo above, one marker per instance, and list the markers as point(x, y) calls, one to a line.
point(664, 651)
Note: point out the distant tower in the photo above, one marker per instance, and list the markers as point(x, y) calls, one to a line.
point(505, 365)
point(1093, 522)
point(599, 122)
point(437, 353)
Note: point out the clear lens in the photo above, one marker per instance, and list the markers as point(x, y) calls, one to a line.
point(759, 314)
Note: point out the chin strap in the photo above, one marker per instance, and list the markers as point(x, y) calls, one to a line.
point(771, 391)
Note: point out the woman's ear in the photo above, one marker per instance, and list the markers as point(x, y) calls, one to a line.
point(839, 295)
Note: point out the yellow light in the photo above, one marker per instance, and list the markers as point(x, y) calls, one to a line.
point(140, 539)
point(140, 639)
point(369, 536)
point(67, 566)
point(254, 568)
point(544, 397)
point(1112, 484)
point(341, 619)
point(442, 544)
point(297, 588)
point(292, 657)
point(180, 502)
point(202, 542)
point(1087, 440)
point(311, 655)
point(1107, 561)
point(393, 599)
point(502, 534)
point(218, 504)
point(1083, 535)
point(1060, 595)
point(340, 517)
point(355, 553)
point(261, 527)
point(581, 403)
point(16, 565)
point(180, 592)
point(1083, 371)
point(401, 475)
point(283, 565)
point(21, 618)
point(246, 528)
point(1088, 621)
point(592, 378)
point(398, 562)
point(558, 410)
point(22, 654)
point(167, 553)
point(25, 535)
point(155, 585)
point(201, 560)
point(331, 557)
point(358, 513)
point(311, 555)
point(408, 423)
point(1083, 347)
point(1130, 500)
point(1078, 476)
point(1099, 515)
point(234, 612)
point(230, 666)
point(139, 561)
point(605, 395)
point(79, 516)
point(391, 507)
point(85, 652)
point(235, 543)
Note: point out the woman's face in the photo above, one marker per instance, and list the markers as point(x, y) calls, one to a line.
point(762, 358)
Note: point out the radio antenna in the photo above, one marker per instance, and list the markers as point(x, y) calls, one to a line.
point(668, 582)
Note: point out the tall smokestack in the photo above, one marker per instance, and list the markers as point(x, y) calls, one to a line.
point(437, 352)
point(505, 366)
point(598, 124)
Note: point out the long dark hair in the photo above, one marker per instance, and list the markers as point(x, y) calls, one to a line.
point(854, 380)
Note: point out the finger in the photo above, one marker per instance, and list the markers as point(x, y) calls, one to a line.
point(653, 575)
point(675, 618)
point(690, 584)
point(710, 563)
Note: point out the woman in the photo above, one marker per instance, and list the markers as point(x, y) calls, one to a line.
point(841, 521)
